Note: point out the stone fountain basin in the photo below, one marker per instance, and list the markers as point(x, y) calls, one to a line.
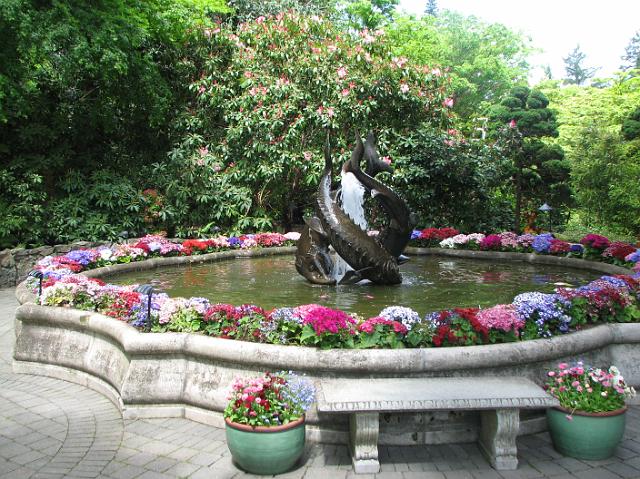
point(189, 375)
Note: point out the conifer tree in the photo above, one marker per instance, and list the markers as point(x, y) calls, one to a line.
point(577, 73)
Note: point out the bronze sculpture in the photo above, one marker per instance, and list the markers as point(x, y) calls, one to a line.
point(374, 259)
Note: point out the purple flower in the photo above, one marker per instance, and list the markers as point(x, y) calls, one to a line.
point(545, 309)
point(542, 243)
point(633, 257)
point(415, 234)
point(234, 242)
point(576, 248)
point(82, 256)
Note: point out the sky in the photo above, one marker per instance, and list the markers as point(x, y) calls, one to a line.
point(603, 29)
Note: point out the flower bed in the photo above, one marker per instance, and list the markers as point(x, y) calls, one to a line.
point(531, 315)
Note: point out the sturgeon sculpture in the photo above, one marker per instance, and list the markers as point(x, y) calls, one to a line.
point(373, 259)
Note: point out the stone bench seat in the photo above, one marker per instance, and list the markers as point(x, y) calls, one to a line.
point(498, 398)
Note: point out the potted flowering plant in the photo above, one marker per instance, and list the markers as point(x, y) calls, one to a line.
point(589, 423)
point(264, 419)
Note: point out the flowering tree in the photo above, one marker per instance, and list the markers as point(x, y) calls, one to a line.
point(264, 99)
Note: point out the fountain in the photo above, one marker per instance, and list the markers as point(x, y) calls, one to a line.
point(358, 255)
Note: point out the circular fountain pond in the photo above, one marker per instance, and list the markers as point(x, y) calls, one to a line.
point(429, 283)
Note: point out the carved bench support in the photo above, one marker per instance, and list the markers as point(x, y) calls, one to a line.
point(498, 438)
point(363, 442)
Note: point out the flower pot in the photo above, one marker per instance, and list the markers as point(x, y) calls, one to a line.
point(266, 450)
point(591, 436)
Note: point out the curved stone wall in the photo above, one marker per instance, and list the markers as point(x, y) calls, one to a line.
point(179, 374)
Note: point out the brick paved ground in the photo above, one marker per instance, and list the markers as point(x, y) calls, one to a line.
point(53, 429)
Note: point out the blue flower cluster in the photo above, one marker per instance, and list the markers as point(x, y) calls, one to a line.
point(544, 309)
point(407, 316)
point(299, 391)
point(577, 248)
point(542, 243)
point(285, 314)
point(82, 256)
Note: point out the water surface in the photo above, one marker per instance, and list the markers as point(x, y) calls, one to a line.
point(430, 283)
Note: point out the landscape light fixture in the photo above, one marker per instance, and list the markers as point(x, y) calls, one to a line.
point(545, 208)
point(38, 274)
point(148, 290)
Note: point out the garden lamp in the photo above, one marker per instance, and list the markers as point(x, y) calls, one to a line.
point(148, 290)
point(545, 208)
point(38, 274)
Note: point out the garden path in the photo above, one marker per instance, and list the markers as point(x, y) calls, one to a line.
point(54, 429)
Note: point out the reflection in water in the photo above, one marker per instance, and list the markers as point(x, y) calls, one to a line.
point(430, 283)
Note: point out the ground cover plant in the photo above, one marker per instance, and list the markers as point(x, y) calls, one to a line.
point(531, 315)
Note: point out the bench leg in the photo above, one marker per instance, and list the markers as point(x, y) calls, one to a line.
point(363, 442)
point(498, 433)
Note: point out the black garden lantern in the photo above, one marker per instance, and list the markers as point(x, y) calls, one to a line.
point(148, 290)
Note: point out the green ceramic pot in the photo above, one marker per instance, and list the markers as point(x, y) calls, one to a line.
point(591, 436)
point(266, 450)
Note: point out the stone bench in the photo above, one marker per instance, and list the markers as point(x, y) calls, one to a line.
point(498, 398)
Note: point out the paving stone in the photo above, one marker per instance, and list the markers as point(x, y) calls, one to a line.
point(598, 473)
point(623, 470)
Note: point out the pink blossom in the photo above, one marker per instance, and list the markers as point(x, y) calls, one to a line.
point(201, 90)
point(404, 88)
point(386, 159)
point(436, 72)
point(512, 124)
point(501, 316)
point(551, 373)
point(398, 62)
point(563, 366)
point(248, 74)
point(342, 72)
point(307, 155)
point(203, 150)
point(260, 19)
point(366, 36)
point(447, 103)
point(330, 112)
point(345, 92)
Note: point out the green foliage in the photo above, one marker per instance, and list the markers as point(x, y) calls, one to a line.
point(94, 207)
point(606, 180)
point(593, 124)
point(87, 87)
point(262, 104)
point(539, 172)
point(484, 60)
point(631, 126)
point(21, 207)
point(448, 181)
point(248, 10)
point(369, 14)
